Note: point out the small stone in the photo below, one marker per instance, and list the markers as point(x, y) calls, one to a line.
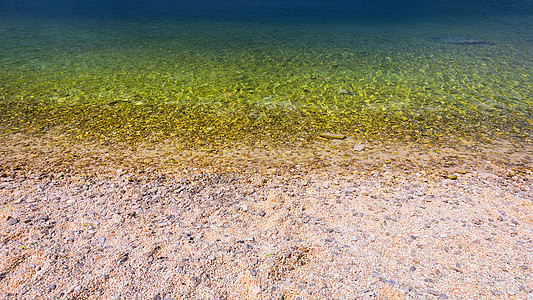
point(12, 221)
point(51, 287)
point(77, 288)
point(261, 213)
point(88, 236)
point(358, 147)
point(101, 240)
point(124, 257)
point(496, 293)
point(344, 92)
point(477, 222)
point(332, 136)
point(244, 207)
point(452, 176)
point(457, 269)
point(434, 293)
point(443, 296)
point(253, 272)
point(524, 267)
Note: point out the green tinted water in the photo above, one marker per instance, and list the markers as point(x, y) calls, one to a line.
point(224, 81)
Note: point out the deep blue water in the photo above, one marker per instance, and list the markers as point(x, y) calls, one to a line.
point(264, 10)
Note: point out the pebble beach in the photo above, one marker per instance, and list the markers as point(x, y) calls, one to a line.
point(266, 150)
point(335, 220)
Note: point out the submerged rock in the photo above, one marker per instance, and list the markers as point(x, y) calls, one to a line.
point(345, 92)
point(359, 147)
point(460, 41)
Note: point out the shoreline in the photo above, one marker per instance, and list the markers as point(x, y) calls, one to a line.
point(60, 153)
point(338, 219)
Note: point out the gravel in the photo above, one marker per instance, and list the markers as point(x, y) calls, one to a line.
point(377, 225)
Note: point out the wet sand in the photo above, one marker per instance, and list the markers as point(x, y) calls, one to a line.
point(330, 220)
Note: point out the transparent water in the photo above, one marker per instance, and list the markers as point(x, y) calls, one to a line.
point(277, 71)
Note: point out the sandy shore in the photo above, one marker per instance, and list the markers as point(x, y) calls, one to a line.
point(338, 220)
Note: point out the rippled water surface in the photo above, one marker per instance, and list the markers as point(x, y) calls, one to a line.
point(277, 71)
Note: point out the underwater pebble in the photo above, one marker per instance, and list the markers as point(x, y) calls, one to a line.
point(358, 147)
point(344, 92)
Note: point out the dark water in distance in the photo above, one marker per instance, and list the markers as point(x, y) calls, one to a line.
point(257, 69)
point(265, 10)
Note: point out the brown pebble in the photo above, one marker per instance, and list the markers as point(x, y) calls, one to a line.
point(332, 136)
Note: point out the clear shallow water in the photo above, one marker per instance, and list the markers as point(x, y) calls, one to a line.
point(251, 71)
